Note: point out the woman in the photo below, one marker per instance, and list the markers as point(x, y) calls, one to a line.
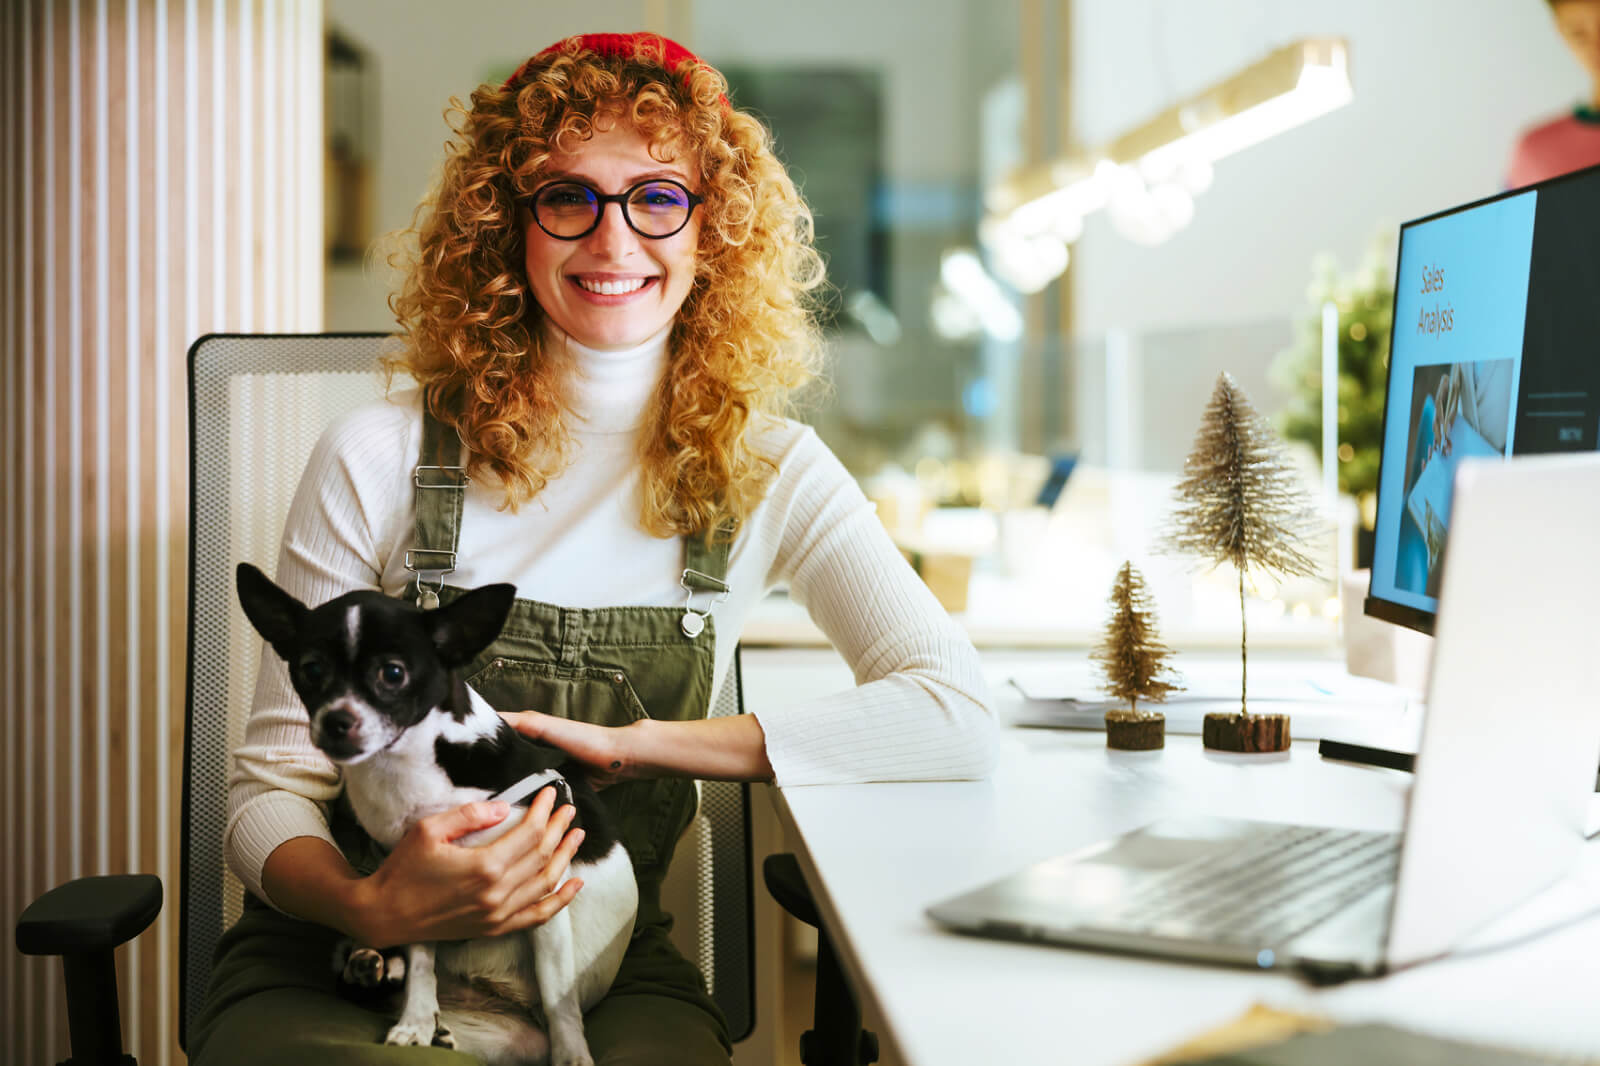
point(605, 313)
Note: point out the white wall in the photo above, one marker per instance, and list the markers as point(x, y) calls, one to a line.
point(1441, 89)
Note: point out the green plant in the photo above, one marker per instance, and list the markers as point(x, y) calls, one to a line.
point(1365, 300)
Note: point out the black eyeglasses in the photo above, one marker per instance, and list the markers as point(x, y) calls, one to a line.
point(569, 210)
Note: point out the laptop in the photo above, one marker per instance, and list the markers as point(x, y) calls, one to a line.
point(1499, 802)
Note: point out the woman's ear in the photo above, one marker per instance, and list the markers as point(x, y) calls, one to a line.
point(467, 625)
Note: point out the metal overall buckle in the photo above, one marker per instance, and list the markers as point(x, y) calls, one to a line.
point(693, 622)
point(428, 598)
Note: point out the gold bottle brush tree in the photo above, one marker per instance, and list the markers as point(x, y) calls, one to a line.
point(1240, 502)
point(1133, 662)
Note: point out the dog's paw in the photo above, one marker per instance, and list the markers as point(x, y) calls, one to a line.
point(363, 968)
point(409, 1032)
point(443, 1037)
point(394, 969)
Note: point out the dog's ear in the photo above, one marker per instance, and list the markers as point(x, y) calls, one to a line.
point(468, 624)
point(277, 616)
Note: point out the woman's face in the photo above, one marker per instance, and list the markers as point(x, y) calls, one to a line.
point(612, 288)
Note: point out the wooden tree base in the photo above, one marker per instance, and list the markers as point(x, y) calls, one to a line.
point(1246, 732)
point(1136, 730)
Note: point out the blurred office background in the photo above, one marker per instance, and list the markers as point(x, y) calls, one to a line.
point(955, 388)
point(173, 167)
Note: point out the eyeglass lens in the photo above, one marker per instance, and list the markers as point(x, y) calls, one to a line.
point(652, 208)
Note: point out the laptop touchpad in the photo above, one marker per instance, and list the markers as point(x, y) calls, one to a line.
point(1172, 842)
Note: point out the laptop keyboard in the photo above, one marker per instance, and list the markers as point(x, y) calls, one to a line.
point(1267, 890)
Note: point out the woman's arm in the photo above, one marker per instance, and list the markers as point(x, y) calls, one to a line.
point(282, 785)
point(431, 888)
point(731, 748)
point(920, 710)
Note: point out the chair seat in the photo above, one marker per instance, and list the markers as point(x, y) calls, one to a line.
point(89, 914)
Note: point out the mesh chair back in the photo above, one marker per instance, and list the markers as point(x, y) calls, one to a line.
point(724, 927)
point(257, 405)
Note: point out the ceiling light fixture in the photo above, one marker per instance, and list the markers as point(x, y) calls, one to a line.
point(1148, 170)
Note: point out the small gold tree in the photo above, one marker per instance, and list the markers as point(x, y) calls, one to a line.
point(1240, 502)
point(1133, 662)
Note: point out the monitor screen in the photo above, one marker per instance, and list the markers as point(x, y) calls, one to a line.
point(1495, 352)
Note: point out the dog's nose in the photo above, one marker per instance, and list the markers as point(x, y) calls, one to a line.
point(338, 725)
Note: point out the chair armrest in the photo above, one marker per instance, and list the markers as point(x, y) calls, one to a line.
point(89, 914)
point(788, 886)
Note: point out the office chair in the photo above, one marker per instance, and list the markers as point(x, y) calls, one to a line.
point(257, 405)
point(835, 1037)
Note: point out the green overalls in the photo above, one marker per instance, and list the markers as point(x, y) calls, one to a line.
point(271, 998)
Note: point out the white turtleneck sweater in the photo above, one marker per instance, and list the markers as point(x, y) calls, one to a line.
point(919, 710)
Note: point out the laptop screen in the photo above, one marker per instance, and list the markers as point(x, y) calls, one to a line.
point(1495, 351)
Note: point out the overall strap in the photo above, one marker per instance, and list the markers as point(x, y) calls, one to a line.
point(705, 559)
point(705, 569)
point(440, 491)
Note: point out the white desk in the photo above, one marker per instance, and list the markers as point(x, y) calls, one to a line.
point(876, 855)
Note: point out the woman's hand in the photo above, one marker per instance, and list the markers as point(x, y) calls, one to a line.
point(605, 750)
point(432, 888)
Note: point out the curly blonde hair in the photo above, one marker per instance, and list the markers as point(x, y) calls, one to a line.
point(743, 341)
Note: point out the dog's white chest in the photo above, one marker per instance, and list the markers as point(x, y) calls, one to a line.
point(390, 796)
point(399, 786)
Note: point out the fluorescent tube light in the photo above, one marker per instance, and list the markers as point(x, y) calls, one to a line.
point(963, 275)
point(1321, 84)
point(1286, 88)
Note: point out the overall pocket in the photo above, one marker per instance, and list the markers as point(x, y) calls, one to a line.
point(649, 814)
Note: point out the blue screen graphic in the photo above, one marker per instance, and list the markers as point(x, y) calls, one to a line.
point(1461, 302)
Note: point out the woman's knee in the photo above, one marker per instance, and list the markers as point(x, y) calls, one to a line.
point(646, 1030)
point(290, 1025)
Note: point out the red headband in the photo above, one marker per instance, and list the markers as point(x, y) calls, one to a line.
point(670, 53)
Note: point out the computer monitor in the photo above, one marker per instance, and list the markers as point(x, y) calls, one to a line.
point(1494, 350)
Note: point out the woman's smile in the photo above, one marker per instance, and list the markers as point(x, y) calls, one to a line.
point(611, 290)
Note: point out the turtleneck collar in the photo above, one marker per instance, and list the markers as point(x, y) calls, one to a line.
point(610, 389)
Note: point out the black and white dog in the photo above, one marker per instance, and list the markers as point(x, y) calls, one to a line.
point(378, 677)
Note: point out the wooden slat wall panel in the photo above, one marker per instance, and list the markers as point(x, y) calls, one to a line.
point(10, 792)
point(149, 151)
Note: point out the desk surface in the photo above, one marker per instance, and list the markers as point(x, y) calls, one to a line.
point(876, 855)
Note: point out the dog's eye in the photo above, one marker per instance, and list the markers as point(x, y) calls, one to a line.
point(392, 674)
point(313, 671)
